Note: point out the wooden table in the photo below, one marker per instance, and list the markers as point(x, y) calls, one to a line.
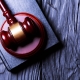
point(64, 64)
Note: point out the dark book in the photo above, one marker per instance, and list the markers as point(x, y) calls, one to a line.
point(32, 7)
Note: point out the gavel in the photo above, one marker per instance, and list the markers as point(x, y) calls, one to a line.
point(18, 32)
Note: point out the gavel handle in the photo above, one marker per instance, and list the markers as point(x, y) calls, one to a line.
point(7, 13)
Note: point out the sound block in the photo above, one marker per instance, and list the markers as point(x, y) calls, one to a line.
point(28, 48)
point(32, 7)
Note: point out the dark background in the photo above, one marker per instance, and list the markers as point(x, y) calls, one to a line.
point(63, 64)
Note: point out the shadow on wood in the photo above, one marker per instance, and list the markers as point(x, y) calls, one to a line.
point(38, 58)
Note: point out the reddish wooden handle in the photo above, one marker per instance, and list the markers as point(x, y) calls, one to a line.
point(7, 13)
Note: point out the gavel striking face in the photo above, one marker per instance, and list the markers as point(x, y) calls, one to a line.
point(19, 32)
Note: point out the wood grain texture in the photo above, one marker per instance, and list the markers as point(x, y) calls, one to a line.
point(64, 64)
point(64, 15)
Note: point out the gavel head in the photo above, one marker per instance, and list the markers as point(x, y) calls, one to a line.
point(19, 32)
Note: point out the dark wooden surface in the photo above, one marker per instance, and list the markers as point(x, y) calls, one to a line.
point(64, 64)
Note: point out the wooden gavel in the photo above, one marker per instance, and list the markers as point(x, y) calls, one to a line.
point(17, 32)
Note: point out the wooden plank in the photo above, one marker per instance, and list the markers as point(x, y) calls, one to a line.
point(64, 64)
